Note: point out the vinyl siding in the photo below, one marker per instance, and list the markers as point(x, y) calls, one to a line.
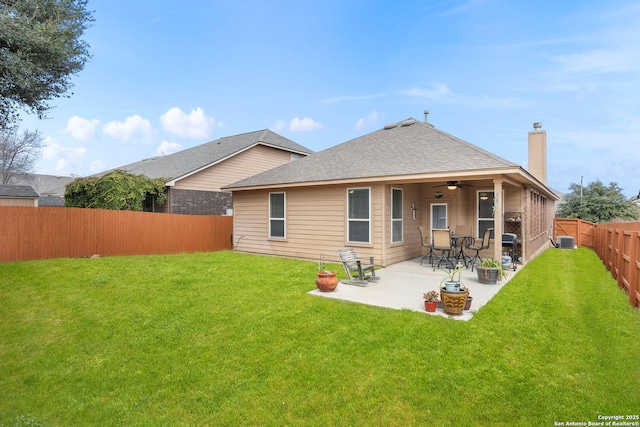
point(315, 223)
point(410, 245)
point(18, 202)
point(245, 164)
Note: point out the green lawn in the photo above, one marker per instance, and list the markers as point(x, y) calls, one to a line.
point(231, 339)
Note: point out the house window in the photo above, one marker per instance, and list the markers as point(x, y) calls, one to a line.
point(485, 212)
point(439, 218)
point(277, 215)
point(294, 157)
point(358, 215)
point(396, 215)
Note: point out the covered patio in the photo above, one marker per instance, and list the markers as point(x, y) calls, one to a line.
point(402, 284)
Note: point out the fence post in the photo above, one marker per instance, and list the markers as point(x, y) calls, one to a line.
point(619, 264)
point(633, 268)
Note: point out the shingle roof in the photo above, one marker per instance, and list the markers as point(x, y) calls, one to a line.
point(18, 191)
point(44, 184)
point(185, 162)
point(409, 147)
point(50, 201)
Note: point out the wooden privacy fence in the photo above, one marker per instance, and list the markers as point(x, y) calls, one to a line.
point(581, 231)
point(616, 243)
point(618, 246)
point(28, 233)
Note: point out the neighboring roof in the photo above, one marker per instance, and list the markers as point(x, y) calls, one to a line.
point(50, 201)
point(399, 149)
point(45, 185)
point(186, 162)
point(18, 192)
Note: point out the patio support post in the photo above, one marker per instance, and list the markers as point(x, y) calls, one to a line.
point(497, 219)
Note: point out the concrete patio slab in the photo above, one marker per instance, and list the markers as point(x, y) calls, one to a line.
point(401, 286)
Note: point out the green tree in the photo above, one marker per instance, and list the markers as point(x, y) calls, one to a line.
point(597, 203)
point(116, 190)
point(18, 153)
point(40, 48)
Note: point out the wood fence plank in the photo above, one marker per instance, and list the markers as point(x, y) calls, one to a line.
point(56, 232)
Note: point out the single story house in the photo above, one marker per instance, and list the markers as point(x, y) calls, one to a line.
point(18, 195)
point(371, 193)
point(195, 176)
point(51, 188)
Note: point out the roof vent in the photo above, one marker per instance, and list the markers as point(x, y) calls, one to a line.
point(426, 119)
point(537, 126)
point(407, 122)
point(390, 125)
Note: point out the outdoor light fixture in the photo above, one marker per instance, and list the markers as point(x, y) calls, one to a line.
point(452, 186)
point(438, 195)
point(484, 196)
point(413, 210)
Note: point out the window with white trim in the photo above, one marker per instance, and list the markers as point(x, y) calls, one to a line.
point(486, 217)
point(396, 215)
point(359, 215)
point(277, 215)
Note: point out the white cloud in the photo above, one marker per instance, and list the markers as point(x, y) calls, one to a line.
point(82, 129)
point(67, 159)
point(599, 61)
point(130, 128)
point(442, 93)
point(193, 125)
point(279, 126)
point(304, 125)
point(372, 118)
point(439, 91)
point(98, 166)
point(167, 147)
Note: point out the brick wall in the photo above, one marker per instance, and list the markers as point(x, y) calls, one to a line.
point(195, 202)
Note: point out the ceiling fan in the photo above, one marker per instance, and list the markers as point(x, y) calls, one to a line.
point(454, 185)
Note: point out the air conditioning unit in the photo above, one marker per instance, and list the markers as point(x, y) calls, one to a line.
point(564, 242)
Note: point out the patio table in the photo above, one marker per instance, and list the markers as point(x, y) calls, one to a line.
point(458, 241)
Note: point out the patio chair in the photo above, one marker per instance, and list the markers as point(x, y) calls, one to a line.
point(357, 272)
point(478, 246)
point(425, 242)
point(442, 242)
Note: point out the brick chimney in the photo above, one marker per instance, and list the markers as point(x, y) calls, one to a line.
point(538, 153)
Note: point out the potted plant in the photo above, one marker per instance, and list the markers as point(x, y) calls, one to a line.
point(490, 271)
point(453, 294)
point(326, 280)
point(430, 300)
point(449, 281)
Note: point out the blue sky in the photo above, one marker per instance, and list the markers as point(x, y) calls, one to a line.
point(171, 74)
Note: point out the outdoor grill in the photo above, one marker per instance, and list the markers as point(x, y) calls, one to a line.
point(510, 242)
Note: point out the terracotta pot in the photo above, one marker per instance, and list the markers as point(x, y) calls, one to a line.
point(430, 306)
point(327, 282)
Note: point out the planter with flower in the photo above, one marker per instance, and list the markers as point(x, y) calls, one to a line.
point(326, 280)
point(430, 300)
point(453, 293)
